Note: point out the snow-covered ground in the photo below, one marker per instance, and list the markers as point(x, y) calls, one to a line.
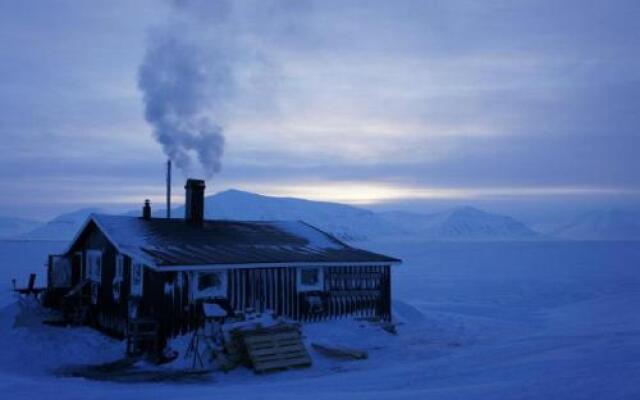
point(479, 320)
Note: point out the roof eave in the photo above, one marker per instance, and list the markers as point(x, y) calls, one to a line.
point(206, 267)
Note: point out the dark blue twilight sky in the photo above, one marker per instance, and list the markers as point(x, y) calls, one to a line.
point(391, 104)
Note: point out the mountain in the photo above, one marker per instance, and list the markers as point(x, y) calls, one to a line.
point(343, 221)
point(63, 227)
point(609, 224)
point(464, 223)
point(353, 223)
point(12, 227)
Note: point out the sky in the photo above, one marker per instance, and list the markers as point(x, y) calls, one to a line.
point(516, 106)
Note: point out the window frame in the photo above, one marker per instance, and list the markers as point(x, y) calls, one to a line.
point(118, 278)
point(210, 292)
point(94, 265)
point(119, 272)
point(60, 273)
point(313, 273)
point(137, 288)
point(305, 287)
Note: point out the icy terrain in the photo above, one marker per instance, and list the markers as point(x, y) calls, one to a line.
point(479, 320)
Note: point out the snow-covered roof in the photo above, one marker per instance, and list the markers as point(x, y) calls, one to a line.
point(173, 243)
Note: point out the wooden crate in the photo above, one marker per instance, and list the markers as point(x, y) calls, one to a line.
point(273, 350)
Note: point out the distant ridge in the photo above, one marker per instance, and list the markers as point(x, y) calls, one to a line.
point(607, 224)
point(464, 223)
point(343, 221)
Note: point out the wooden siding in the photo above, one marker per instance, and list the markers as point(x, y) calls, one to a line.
point(349, 292)
point(108, 314)
point(264, 289)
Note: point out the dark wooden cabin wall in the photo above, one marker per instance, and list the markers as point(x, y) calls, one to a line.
point(356, 291)
point(167, 300)
point(263, 289)
point(349, 291)
point(109, 315)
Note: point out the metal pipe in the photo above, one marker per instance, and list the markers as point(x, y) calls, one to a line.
point(168, 189)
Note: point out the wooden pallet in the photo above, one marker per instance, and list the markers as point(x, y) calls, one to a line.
point(273, 350)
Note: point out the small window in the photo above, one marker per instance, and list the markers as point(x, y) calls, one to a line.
point(209, 280)
point(210, 284)
point(309, 276)
point(137, 276)
point(119, 277)
point(310, 279)
point(119, 267)
point(94, 265)
point(60, 272)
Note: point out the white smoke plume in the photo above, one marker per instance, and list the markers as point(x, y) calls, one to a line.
point(195, 64)
point(176, 79)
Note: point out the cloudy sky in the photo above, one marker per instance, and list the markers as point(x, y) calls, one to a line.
point(403, 104)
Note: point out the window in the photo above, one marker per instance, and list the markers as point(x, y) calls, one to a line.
point(119, 277)
point(94, 265)
point(60, 272)
point(310, 279)
point(211, 284)
point(309, 276)
point(208, 280)
point(137, 278)
point(119, 267)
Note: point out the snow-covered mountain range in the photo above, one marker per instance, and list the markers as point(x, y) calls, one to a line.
point(464, 223)
point(344, 221)
point(356, 224)
point(610, 224)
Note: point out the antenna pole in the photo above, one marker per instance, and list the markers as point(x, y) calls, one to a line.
point(169, 189)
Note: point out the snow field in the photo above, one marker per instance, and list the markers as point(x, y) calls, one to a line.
point(510, 320)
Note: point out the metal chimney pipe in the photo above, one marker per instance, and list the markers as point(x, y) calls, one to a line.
point(169, 189)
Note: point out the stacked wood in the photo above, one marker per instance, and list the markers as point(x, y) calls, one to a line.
point(268, 348)
point(280, 347)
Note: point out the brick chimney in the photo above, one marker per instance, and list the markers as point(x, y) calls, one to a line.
point(194, 202)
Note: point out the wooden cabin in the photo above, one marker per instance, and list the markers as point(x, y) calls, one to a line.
point(123, 269)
